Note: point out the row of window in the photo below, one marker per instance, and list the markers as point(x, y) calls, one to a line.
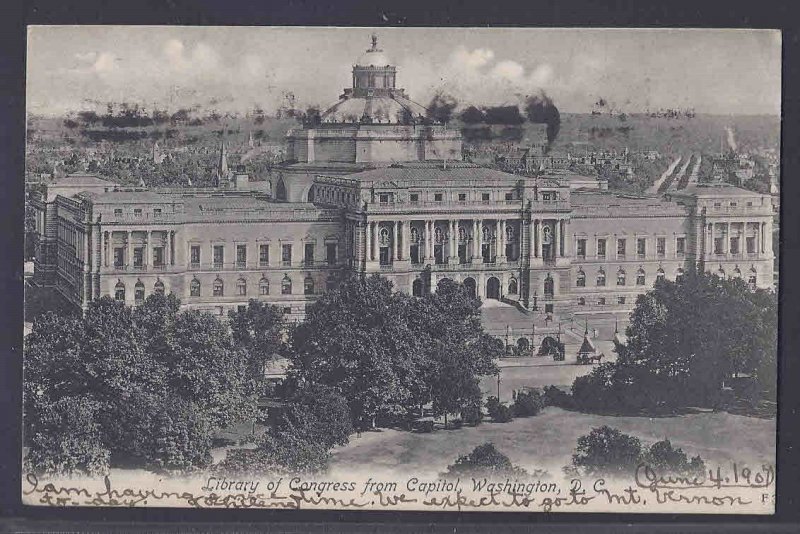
point(218, 254)
point(719, 245)
point(641, 247)
point(641, 277)
point(218, 288)
point(601, 301)
point(138, 213)
point(414, 197)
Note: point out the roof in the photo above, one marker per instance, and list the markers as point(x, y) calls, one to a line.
point(131, 196)
point(594, 202)
point(587, 347)
point(390, 108)
point(79, 179)
point(714, 190)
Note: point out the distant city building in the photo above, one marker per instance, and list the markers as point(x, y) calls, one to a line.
point(373, 187)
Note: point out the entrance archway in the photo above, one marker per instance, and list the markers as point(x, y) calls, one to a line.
point(470, 286)
point(523, 346)
point(493, 288)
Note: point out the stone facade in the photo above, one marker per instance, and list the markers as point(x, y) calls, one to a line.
point(387, 197)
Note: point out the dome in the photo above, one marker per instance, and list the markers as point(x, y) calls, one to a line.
point(373, 58)
point(382, 109)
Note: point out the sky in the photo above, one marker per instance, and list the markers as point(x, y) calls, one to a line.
point(70, 68)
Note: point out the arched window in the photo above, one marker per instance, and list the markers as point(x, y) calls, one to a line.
point(330, 282)
point(241, 287)
point(280, 190)
point(487, 234)
point(437, 235)
point(138, 292)
point(640, 277)
point(601, 277)
point(311, 192)
point(512, 286)
point(384, 237)
point(158, 287)
point(621, 277)
point(752, 278)
point(679, 275)
point(308, 285)
point(194, 288)
point(581, 301)
point(510, 233)
point(462, 234)
point(660, 274)
point(286, 285)
point(414, 235)
point(219, 288)
point(580, 279)
point(263, 286)
point(119, 291)
point(737, 273)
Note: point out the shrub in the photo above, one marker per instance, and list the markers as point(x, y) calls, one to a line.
point(606, 450)
point(67, 439)
point(499, 412)
point(662, 457)
point(424, 427)
point(527, 403)
point(553, 396)
point(472, 415)
point(317, 413)
point(457, 423)
point(484, 460)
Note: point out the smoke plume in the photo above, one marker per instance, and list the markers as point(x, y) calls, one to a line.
point(541, 110)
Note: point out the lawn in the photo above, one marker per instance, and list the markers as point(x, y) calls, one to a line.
point(548, 440)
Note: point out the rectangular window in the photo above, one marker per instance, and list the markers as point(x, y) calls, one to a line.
point(661, 246)
point(330, 253)
point(641, 247)
point(383, 198)
point(219, 256)
point(138, 257)
point(620, 300)
point(287, 311)
point(414, 197)
point(601, 248)
point(621, 248)
point(734, 245)
point(601, 301)
point(263, 255)
point(308, 253)
point(485, 197)
point(547, 197)
point(195, 255)
point(717, 204)
point(734, 204)
point(718, 244)
point(119, 257)
point(680, 246)
point(462, 197)
point(751, 245)
point(158, 256)
point(156, 213)
point(137, 212)
point(437, 197)
point(509, 196)
point(581, 248)
point(286, 254)
point(241, 256)
point(117, 212)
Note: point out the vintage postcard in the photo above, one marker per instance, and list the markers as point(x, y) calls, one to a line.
point(402, 268)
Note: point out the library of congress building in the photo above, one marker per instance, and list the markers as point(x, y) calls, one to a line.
point(371, 188)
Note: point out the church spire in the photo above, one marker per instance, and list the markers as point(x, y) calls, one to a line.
point(221, 173)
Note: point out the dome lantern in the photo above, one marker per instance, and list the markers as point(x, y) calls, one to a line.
point(373, 72)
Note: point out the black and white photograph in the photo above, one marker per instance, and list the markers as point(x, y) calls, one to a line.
point(402, 268)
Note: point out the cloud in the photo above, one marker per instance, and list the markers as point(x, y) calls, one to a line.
point(105, 62)
point(474, 59)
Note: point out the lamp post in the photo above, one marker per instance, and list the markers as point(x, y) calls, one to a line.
point(498, 385)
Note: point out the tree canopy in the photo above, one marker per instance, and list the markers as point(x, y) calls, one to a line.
point(389, 353)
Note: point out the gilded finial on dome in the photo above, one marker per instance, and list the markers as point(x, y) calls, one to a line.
point(374, 41)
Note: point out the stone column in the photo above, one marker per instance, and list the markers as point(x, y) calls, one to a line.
point(497, 237)
point(768, 237)
point(395, 235)
point(107, 246)
point(539, 237)
point(376, 242)
point(148, 251)
point(431, 239)
point(167, 248)
point(129, 259)
point(402, 248)
point(368, 242)
point(557, 239)
point(480, 239)
point(713, 248)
